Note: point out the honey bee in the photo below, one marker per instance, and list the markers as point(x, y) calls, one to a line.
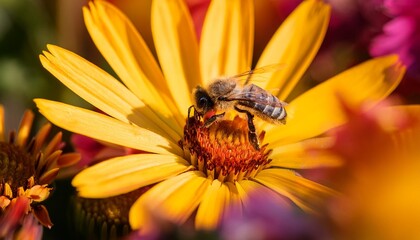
point(228, 93)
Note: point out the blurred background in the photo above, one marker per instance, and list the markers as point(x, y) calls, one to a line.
point(27, 26)
point(358, 30)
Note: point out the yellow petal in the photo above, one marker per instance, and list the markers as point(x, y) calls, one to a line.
point(319, 109)
point(38, 193)
point(235, 201)
point(311, 153)
point(214, 204)
point(248, 188)
point(308, 195)
point(177, 49)
point(294, 45)
point(102, 90)
point(227, 39)
point(104, 128)
point(130, 58)
point(25, 128)
point(5, 201)
point(174, 199)
point(124, 174)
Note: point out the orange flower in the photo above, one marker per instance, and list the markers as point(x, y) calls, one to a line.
point(28, 167)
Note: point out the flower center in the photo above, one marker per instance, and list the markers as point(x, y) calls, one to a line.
point(16, 166)
point(223, 150)
point(105, 217)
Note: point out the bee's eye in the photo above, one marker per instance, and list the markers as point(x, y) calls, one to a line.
point(202, 102)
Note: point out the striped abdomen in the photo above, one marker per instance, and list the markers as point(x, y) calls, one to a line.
point(263, 104)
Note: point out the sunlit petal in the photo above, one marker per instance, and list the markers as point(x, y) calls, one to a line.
point(25, 128)
point(102, 90)
point(115, 176)
point(305, 154)
point(294, 46)
point(174, 199)
point(104, 128)
point(177, 49)
point(308, 195)
point(214, 203)
point(127, 53)
point(227, 39)
point(319, 109)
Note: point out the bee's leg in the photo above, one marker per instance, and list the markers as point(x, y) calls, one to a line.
point(189, 115)
point(251, 127)
point(189, 111)
point(212, 119)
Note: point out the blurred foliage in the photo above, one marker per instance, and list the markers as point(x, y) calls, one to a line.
point(26, 27)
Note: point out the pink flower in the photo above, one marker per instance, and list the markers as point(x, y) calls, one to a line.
point(401, 35)
point(268, 218)
point(92, 151)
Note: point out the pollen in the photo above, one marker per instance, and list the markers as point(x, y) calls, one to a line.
point(223, 150)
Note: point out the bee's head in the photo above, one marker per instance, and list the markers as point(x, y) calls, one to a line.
point(202, 100)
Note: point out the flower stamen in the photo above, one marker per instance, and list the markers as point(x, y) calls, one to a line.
point(223, 151)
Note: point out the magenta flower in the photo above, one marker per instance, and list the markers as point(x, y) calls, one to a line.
point(401, 34)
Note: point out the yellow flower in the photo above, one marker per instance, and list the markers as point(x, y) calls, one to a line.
point(204, 169)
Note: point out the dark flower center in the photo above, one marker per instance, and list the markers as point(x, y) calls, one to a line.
point(105, 218)
point(16, 166)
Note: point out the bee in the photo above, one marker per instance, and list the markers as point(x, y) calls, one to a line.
point(228, 93)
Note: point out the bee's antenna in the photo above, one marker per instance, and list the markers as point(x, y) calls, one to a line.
point(248, 78)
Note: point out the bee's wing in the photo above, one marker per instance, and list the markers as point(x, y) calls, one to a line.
point(256, 97)
point(246, 76)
